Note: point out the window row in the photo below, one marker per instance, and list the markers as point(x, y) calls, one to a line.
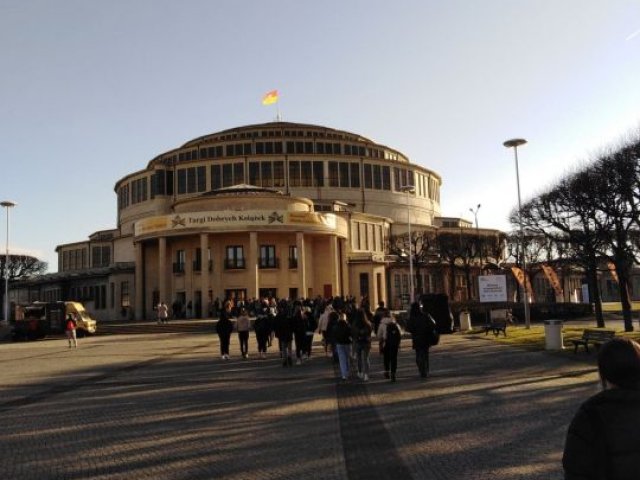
point(278, 148)
point(235, 258)
point(271, 174)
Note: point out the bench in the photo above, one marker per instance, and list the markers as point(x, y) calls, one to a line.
point(496, 326)
point(500, 317)
point(594, 336)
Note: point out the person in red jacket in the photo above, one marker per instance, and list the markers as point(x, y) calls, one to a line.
point(70, 330)
point(602, 440)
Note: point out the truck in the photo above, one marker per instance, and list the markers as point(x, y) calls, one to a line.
point(45, 318)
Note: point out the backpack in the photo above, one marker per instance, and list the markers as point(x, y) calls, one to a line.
point(393, 336)
point(434, 335)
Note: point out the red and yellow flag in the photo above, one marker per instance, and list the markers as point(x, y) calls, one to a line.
point(270, 98)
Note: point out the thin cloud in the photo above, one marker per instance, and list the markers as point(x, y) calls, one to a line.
point(633, 35)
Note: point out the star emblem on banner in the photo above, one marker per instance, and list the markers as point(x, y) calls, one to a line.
point(178, 220)
point(274, 217)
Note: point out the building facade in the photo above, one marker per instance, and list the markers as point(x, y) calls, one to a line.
point(283, 209)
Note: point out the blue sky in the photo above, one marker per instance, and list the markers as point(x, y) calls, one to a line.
point(91, 91)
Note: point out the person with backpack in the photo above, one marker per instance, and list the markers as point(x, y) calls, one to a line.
point(70, 330)
point(283, 327)
point(390, 337)
point(362, 329)
point(423, 335)
point(224, 327)
point(342, 338)
point(243, 324)
point(261, 327)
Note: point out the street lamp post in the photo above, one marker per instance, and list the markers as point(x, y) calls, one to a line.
point(409, 189)
point(515, 143)
point(475, 215)
point(7, 204)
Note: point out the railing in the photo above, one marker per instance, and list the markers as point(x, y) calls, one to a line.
point(178, 268)
point(293, 263)
point(197, 265)
point(234, 263)
point(269, 263)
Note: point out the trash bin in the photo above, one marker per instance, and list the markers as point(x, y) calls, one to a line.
point(553, 335)
point(465, 321)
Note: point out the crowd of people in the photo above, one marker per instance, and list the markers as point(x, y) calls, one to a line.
point(347, 328)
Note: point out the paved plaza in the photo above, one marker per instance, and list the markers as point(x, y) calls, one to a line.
point(164, 406)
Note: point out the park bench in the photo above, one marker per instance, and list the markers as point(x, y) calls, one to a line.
point(594, 336)
point(500, 317)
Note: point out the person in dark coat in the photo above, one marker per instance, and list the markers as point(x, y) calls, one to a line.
point(283, 326)
point(262, 329)
point(421, 326)
point(224, 327)
point(602, 440)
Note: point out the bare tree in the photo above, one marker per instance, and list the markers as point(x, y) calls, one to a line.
point(20, 267)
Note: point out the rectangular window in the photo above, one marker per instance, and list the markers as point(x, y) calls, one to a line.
point(191, 180)
point(267, 176)
point(294, 174)
point(201, 174)
point(355, 175)
point(227, 175)
point(182, 181)
point(306, 174)
point(318, 174)
point(386, 178)
point(368, 172)
point(254, 174)
point(234, 258)
point(268, 257)
point(333, 174)
point(344, 174)
point(238, 173)
point(278, 174)
point(216, 177)
point(293, 256)
point(377, 177)
point(125, 300)
point(181, 260)
point(197, 262)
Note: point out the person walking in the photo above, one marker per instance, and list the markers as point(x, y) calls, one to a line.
point(342, 338)
point(243, 324)
point(261, 329)
point(299, 330)
point(163, 312)
point(602, 439)
point(362, 328)
point(422, 326)
point(224, 327)
point(70, 330)
point(390, 337)
point(283, 327)
point(310, 324)
point(323, 324)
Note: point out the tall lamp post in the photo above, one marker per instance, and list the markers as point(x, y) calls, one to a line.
point(409, 189)
point(7, 204)
point(475, 216)
point(515, 143)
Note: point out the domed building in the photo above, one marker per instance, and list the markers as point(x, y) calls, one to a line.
point(283, 209)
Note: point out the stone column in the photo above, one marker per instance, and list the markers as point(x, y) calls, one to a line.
point(139, 281)
point(252, 266)
point(344, 265)
point(334, 262)
point(205, 275)
point(302, 274)
point(162, 271)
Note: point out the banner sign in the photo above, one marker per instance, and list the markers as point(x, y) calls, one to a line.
point(227, 220)
point(492, 288)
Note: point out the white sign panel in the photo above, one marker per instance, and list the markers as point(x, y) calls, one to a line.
point(492, 288)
